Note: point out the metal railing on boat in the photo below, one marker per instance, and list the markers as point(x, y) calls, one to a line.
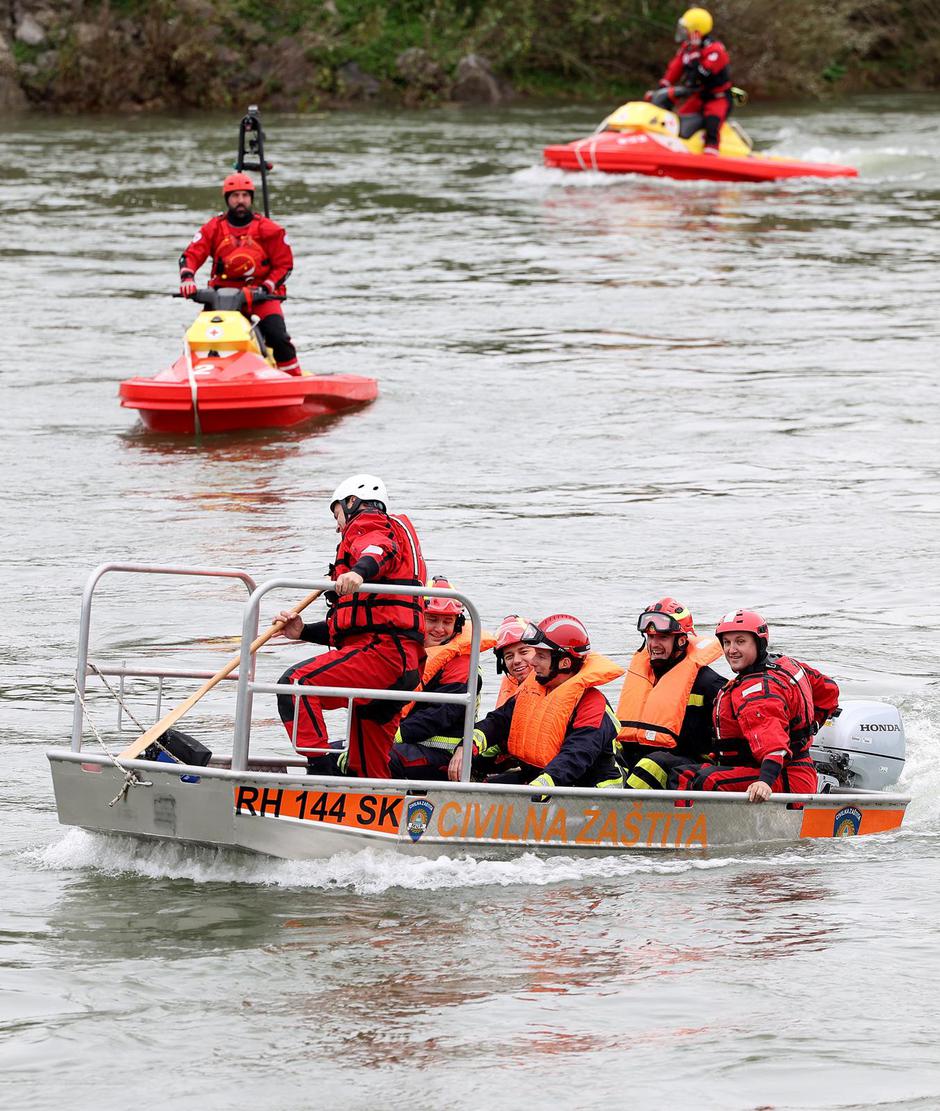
point(244, 677)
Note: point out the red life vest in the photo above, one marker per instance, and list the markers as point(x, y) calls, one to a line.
point(390, 614)
point(241, 255)
point(651, 710)
point(781, 680)
point(540, 717)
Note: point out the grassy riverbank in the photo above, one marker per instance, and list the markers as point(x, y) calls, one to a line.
point(297, 54)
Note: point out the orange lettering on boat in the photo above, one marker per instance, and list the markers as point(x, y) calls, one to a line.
point(447, 810)
point(631, 825)
point(583, 837)
point(699, 832)
point(535, 819)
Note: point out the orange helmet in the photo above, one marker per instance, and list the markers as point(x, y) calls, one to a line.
point(443, 605)
point(666, 616)
point(561, 634)
point(237, 183)
point(744, 621)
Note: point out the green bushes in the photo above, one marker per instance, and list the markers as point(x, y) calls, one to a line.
point(298, 53)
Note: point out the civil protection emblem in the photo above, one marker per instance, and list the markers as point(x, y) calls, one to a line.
point(419, 815)
point(847, 822)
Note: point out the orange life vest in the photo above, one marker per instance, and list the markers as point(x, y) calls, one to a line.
point(440, 655)
point(507, 689)
point(651, 710)
point(540, 718)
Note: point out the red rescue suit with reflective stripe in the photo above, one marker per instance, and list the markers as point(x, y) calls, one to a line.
point(776, 707)
point(651, 710)
point(391, 542)
point(241, 256)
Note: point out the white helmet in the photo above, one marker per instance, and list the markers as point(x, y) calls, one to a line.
point(365, 487)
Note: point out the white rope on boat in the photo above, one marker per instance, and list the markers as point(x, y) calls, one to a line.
point(131, 778)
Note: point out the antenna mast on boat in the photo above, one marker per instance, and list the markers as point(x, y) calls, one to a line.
point(251, 151)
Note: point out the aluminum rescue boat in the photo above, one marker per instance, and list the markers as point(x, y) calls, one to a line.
point(226, 381)
point(267, 804)
point(642, 138)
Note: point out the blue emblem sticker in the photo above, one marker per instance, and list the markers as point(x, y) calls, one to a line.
point(419, 815)
point(847, 822)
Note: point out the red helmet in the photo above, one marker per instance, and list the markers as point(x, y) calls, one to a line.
point(510, 631)
point(237, 183)
point(560, 633)
point(666, 616)
point(443, 605)
point(744, 621)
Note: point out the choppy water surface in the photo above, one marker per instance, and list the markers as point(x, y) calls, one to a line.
point(593, 391)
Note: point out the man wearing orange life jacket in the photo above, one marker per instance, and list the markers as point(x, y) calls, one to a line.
point(558, 726)
point(247, 250)
point(513, 658)
point(765, 719)
point(669, 691)
point(430, 731)
point(376, 640)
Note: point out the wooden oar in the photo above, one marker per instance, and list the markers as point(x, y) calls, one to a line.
point(135, 748)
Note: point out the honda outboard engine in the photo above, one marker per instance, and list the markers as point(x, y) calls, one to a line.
point(861, 747)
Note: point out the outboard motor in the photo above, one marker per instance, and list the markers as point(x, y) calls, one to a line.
point(861, 747)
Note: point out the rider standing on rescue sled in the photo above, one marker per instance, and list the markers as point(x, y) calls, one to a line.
point(765, 719)
point(699, 73)
point(248, 251)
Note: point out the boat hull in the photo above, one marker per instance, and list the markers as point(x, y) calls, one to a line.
point(297, 817)
point(239, 394)
point(615, 152)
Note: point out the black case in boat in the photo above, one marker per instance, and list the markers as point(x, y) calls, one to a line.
point(180, 745)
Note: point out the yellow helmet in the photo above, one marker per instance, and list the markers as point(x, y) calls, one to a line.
point(696, 21)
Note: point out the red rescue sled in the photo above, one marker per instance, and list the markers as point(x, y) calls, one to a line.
point(642, 138)
point(224, 380)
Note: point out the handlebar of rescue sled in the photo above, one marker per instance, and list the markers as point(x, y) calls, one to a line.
point(135, 748)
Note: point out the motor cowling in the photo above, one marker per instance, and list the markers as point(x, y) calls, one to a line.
point(862, 747)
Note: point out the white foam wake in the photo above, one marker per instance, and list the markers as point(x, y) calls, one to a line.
point(371, 871)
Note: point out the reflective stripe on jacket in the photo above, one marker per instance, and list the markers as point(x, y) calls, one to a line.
point(651, 710)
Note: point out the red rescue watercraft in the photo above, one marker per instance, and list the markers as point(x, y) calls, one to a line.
point(643, 138)
point(225, 380)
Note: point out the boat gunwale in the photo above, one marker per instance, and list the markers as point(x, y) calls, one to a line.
point(842, 796)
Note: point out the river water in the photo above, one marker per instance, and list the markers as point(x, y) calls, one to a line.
point(593, 392)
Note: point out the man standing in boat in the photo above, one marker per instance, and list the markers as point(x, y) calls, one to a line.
point(699, 72)
point(376, 640)
point(668, 694)
point(558, 727)
point(765, 719)
point(430, 731)
point(248, 251)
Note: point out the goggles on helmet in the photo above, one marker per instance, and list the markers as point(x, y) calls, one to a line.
point(658, 622)
point(535, 638)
